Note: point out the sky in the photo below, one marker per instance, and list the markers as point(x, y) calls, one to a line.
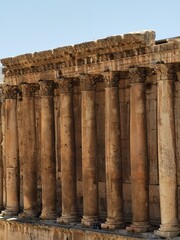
point(28, 26)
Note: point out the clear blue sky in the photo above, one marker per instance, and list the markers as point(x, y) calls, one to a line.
point(36, 25)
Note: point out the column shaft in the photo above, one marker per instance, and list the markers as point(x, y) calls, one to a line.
point(68, 161)
point(113, 154)
point(167, 162)
point(89, 157)
point(48, 167)
point(1, 153)
point(29, 151)
point(11, 146)
point(138, 153)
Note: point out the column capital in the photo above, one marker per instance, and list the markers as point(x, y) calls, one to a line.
point(29, 89)
point(47, 87)
point(165, 72)
point(88, 81)
point(65, 85)
point(10, 91)
point(111, 79)
point(123, 74)
point(138, 74)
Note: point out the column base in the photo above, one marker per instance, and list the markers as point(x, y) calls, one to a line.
point(9, 212)
point(89, 220)
point(68, 219)
point(112, 224)
point(28, 214)
point(45, 215)
point(139, 227)
point(168, 231)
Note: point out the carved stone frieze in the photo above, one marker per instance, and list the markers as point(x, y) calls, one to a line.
point(29, 89)
point(10, 92)
point(47, 87)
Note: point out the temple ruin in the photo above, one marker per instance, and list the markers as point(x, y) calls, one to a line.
point(90, 136)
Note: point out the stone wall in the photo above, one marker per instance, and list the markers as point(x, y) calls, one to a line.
point(12, 230)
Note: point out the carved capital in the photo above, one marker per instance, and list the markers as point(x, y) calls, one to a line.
point(165, 72)
point(88, 82)
point(10, 92)
point(29, 89)
point(111, 79)
point(138, 74)
point(47, 87)
point(65, 85)
point(123, 75)
point(1, 94)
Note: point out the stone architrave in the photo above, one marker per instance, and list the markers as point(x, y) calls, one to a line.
point(29, 151)
point(48, 160)
point(89, 150)
point(11, 146)
point(113, 153)
point(68, 159)
point(138, 152)
point(169, 227)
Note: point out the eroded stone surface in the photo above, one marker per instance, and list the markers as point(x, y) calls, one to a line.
point(99, 142)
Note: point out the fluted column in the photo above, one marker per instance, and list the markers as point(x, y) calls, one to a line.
point(29, 157)
point(11, 146)
point(138, 152)
point(48, 166)
point(68, 161)
point(113, 153)
point(166, 153)
point(89, 151)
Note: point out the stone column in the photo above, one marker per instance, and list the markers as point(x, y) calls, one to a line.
point(113, 153)
point(68, 161)
point(11, 146)
point(29, 157)
point(166, 154)
point(138, 152)
point(89, 151)
point(1, 151)
point(48, 166)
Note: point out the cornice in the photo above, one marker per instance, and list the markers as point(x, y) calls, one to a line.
point(84, 53)
point(113, 48)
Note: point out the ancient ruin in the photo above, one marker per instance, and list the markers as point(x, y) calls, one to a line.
point(90, 137)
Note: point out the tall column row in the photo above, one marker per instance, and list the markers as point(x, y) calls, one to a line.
point(138, 151)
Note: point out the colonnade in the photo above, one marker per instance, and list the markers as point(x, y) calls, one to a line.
point(138, 151)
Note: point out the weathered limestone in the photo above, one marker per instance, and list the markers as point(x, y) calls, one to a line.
point(166, 154)
point(29, 151)
point(11, 146)
point(68, 160)
point(138, 152)
point(86, 131)
point(1, 150)
point(89, 151)
point(48, 166)
point(113, 153)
